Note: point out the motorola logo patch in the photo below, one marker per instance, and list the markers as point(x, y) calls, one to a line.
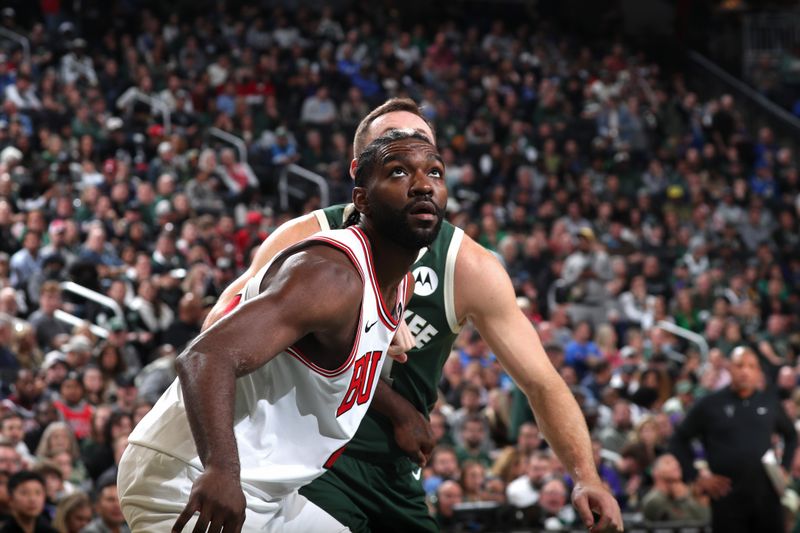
point(425, 281)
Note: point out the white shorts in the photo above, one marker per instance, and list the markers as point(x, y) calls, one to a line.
point(154, 488)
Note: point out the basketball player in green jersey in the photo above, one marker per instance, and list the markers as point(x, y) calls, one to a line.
point(375, 485)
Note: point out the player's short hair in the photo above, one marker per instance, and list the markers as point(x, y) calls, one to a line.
point(368, 159)
point(389, 106)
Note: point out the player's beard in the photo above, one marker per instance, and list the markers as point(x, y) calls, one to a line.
point(394, 224)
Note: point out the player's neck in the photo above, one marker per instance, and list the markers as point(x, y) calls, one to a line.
point(391, 260)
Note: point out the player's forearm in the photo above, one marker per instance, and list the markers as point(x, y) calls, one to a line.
point(209, 384)
point(563, 426)
point(391, 404)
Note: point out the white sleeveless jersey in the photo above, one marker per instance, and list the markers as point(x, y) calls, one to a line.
point(292, 418)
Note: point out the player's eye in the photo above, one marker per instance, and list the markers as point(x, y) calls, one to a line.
point(436, 173)
point(397, 172)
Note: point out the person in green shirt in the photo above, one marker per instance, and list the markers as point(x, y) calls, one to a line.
point(376, 483)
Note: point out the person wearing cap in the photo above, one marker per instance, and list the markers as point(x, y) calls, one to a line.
point(677, 406)
point(284, 150)
point(118, 338)
point(77, 350)
point(585, 272)
point(55, 368)
point(126, 394)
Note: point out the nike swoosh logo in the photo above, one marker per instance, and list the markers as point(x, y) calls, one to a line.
point(417, 473)
point(369, 327)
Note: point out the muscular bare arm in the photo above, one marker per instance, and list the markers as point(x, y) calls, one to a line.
point(316, 291)
point(491, 306)
point(286, 235)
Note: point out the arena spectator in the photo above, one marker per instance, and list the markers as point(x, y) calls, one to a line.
point(617, 191)
point(26, 493)
point(670, 499)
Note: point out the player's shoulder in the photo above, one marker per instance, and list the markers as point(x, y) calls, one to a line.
point(316, 265)
point(474, 258)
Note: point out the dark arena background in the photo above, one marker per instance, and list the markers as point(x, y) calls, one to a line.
point(633, 164)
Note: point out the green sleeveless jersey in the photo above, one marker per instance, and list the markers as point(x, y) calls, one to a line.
point(431, 317)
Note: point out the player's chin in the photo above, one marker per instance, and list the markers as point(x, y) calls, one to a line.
point(425, 236)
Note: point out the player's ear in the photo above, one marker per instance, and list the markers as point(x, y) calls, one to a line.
point(353, 166)
point(360, 200)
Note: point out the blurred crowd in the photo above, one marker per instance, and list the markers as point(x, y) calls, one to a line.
point(646, 230)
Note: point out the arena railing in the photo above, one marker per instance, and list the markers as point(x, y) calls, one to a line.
point(94, 296)
point(293, 170)
point(230, 138)
point(21, 39)
point(710, 80)
point(687, 334)
point(72, 320)
point(158, 105)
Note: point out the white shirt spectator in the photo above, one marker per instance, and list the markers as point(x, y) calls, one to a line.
point(75, 67)
point(319, 108)
point(23, 95)
point(520, 492)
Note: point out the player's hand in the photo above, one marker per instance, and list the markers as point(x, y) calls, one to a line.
point(402, 342)
point(414, 436)
point(217, 495)
point(714, 485)
point(595, 497)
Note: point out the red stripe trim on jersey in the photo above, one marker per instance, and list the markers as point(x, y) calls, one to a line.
point(232, 304)
point(383, 313)
point(334, 456)
point(346, 249)
point(295, 352)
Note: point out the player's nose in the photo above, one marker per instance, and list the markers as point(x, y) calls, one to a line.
point(421, 183)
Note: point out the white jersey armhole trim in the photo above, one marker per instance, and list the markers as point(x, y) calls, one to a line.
point(450, 278)
point(322, 220)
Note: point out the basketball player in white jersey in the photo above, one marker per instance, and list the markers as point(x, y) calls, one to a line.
point(268, 397)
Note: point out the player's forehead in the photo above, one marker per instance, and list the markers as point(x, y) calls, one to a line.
point(398, 120)
point(408, 150)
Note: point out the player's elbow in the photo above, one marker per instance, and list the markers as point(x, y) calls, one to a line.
point(185, 364)
point(191, 364)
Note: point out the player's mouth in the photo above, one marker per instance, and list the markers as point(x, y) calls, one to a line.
point(424, 210)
